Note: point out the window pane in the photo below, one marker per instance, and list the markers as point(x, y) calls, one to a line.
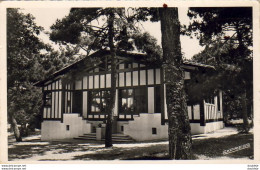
point(126, 101)
point(108, 80)
point(99, 101)
point(85, 82)
point(158, 76)
point(121, 79)
point(142, 77)
point(90, 85)
point(140, 100)
point(128, 79)
point(78, 85)
point(150, 77)
point(48, 99)
point(135, 78)
point(121, 66)
point(96, 81)
point(102, 81)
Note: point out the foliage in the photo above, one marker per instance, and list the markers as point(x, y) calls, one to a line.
point(209, 23)
point(144, 42)
point(226, 34)
point(28, 61)
point(23, 48)
point(90, 31)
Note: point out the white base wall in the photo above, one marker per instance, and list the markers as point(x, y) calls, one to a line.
point(212, 126)
point(196, 128)
point(119, 124)
point(140, 128)
point(209, 127)
point(53, 130)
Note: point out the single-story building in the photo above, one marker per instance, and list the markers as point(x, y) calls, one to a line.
point(76, 98)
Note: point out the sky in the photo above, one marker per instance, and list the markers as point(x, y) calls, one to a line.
point(46, 17)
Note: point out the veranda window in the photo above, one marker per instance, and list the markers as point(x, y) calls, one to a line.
point(47, 99)
point(133, 100)
point(99, 101)
point(127, 101)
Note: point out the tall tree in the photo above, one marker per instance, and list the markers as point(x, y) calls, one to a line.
point(23, 47)
point(179, 126)
point(28, 61)
point(219, 23)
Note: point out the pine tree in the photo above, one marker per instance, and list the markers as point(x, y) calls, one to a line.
point(179, 126)
point(217, 24)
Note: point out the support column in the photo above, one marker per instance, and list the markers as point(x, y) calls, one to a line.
point(202, 114)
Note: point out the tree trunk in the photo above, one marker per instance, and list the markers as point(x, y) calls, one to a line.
point(15, 128)
point(244, 112)
point(111, 109)
point(241, 48)
point(179, 126)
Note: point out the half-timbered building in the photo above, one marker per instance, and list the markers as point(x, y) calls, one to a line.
point(75, 99)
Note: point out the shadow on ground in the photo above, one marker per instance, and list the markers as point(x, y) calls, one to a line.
point(210, 148)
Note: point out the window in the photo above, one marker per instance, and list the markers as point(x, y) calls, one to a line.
point(210, 100)
point(77, 102)
point(47, 99)
point(154, 131)
point(99, 101)
point(67, 127)
point(140, 100)
point(127, 101)
point(133, 100)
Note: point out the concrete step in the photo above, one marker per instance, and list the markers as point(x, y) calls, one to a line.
point(84, 138)
point(89, 134)
point(121, 140)
point(118, 135)
point(88, 137)
point(121, 137)
point(115, 137)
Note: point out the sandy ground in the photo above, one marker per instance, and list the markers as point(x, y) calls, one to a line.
point(53, 153)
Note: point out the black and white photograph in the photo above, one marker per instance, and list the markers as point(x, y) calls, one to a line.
point(127, 83)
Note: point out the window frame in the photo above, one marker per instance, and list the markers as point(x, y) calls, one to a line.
point(136, 110)
point(48, 99)
point(100, 97)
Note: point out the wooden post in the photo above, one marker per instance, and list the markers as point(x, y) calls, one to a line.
point(202, 114)
point(162, 96)
point(62, 101)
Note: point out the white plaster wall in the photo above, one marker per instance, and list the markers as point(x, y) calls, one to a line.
point(196, 128)
point(53, 130)
point(209, 127)
point(141, 128)
point(212, 126)
point(119, 124)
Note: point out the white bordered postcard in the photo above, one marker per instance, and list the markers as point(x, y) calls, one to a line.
point(129, 82)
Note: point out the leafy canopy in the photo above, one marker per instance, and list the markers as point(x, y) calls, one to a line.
point(88, 28)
